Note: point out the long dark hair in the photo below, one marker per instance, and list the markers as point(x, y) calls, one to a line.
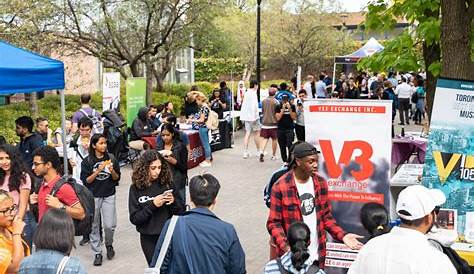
point(374, 218)
point(299, 239)
point(171, 129)
point(94, 140)
point(141, 173)
point(18, 171)
point(55, 232)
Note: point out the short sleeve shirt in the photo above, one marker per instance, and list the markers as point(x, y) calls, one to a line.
point(65, 194)
point(79, 114)
point(202, 110)
point(25, 184)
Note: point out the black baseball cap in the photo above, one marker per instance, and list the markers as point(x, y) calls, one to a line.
point(302, 150)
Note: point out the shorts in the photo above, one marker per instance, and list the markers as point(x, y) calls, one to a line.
point(268, 133)
point(252, 126)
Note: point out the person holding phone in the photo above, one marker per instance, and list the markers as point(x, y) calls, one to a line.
point(152, 199)
point(286, 116)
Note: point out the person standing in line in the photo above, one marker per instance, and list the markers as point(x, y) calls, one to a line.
point(240, 94)
point(286, 115)
point(297, 259)
point(42, 128)
point(404, 92)
point(352, 91)
point(218, 102)
point(420, 103)
point(53, 248)
point(198, 122)
point(299, 123)
point(269, 124)
point(308, 86)
point(406, 249)
point(100, 172)
point(153, 198)
point(226, 93)
point(302, 195)
point(321, 92)
point(249, 114)
point(12, 247)
point(29, 140)
point(200, 235)
point(364, 90)
point(176, 155)
point(14, 179)
point(85, 111)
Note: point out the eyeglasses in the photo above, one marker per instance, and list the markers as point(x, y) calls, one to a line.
point(37, 164)
point(9, 211)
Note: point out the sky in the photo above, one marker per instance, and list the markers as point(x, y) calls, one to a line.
point(353, 5)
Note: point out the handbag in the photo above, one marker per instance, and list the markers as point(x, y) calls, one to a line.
point(62, 265)
point(164, 247)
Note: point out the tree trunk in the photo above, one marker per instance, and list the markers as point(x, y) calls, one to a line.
point(431, 54)
point(135, 69)
point(456, 21)
point(149, 80)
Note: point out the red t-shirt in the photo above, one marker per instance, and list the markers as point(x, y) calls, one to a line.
point(65, 194)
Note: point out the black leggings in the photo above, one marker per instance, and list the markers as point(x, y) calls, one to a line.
point(285, 140)
point(148, 243)
point(300, 132)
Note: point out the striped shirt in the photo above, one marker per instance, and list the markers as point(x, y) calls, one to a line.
point(272, 266)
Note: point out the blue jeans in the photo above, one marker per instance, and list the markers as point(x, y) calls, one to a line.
point(204, 136)
point(30, 227)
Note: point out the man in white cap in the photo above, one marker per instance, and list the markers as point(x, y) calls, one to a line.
point(406, 249)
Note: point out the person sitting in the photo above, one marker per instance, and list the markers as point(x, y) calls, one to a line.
point(406, 249)
point(297, 259)
point(53, 249)
point(206, 236)
point(374, 218)
point(141, 127)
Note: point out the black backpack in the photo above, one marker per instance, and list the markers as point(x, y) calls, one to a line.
point(84, 226)
point(462, 267)
point(414, 98)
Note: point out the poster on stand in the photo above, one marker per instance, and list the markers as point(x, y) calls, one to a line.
point(111, 91)
point(449, 162)
point(136, 97)
point(354, 137)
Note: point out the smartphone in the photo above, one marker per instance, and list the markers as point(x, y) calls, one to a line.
point(169, 191)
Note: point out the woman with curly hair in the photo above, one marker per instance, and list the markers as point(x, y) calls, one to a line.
point(15, 180)
point(152, 199)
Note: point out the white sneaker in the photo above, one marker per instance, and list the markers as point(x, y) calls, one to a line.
point(246, 155)
point(205, 164)
point(274, 158)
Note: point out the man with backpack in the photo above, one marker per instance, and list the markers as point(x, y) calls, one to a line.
point(46, 164)
point(87, 111)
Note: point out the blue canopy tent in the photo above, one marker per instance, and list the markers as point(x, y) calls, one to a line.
point(372, 46)
point(22, 71)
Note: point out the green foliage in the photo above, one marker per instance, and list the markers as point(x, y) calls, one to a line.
point(210, 69)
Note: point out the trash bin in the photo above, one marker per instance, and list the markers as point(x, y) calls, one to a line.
point(182, 76)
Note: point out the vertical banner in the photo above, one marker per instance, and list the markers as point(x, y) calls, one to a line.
point(111, 91)
point(136, 97)
point(354, 137)
point(449, 162)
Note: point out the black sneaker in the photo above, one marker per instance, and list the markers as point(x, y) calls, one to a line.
point(84, 241)
point(110, 252)
point(261, 157)
point(98, 260)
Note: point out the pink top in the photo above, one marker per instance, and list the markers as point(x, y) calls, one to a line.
point(15, 194)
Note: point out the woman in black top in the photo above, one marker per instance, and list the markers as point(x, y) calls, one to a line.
point(218, 103)
point(152, 199)
point(100, 172)
point(176, 154)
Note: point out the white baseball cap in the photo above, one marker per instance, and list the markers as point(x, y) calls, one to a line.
point(415, 202)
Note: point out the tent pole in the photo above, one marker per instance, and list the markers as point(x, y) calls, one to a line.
point(333, 77)
point(63, 135)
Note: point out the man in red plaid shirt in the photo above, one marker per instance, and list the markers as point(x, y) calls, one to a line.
point(302, 195)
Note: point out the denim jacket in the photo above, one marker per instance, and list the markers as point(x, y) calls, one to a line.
point(46, 261)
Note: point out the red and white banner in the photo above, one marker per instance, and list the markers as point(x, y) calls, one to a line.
point(354, 137)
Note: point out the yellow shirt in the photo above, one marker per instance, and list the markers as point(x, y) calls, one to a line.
point(6, 252)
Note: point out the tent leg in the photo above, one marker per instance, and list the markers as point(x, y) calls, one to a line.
point(63, 135)
point(333, 77)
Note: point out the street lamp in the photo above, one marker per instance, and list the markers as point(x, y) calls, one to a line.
point(258, 48)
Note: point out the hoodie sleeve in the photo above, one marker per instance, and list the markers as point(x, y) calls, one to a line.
point(140, 130)
point(138, 214)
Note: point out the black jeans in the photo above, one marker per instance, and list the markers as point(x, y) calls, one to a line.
point(148, 243)
point(299, 130)
point(285, 139)
point(404, 107)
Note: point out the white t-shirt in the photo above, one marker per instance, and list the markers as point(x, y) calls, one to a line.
point(308, 211)
point(249, 109)
point(309, 92)
point(403, 91)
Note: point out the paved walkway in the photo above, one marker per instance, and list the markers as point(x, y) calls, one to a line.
point(239, 202)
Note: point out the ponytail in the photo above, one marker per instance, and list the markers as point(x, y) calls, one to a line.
point(300, 254)
point(374, 218)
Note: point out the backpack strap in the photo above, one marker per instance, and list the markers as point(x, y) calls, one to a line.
point(84, 112)
point(62, 181)
point(280, 267)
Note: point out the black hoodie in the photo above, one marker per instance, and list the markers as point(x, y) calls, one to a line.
point(141, 126)
point(148, 218)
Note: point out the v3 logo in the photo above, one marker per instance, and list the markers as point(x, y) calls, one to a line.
point(366, 167)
